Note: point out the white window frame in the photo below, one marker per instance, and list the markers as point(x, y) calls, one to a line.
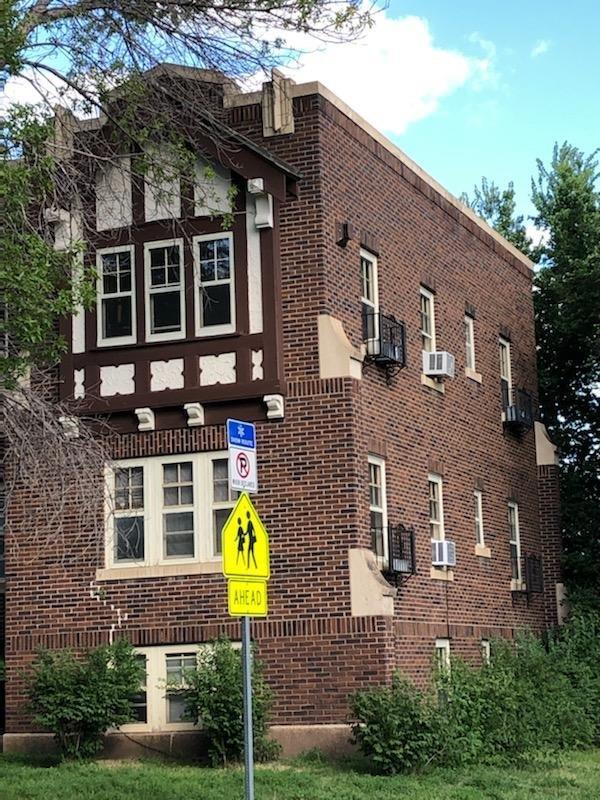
point(516, 541)
point(116, 340)
point(213, 330)
point(505, 363)
point(156, 690)
point(431, 338)
point(379, 463)
point(470, 364)
point(479, 530)
point(203, 506)
point(365, 255)
point(436, 480)
point(486, 651)
point(442, 654)
point(149, 291)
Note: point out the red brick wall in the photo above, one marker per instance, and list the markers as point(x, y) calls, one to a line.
point(313, 464)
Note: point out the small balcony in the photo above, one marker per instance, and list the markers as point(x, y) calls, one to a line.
point(384, 337)
point(518, 408)
point(394, 547)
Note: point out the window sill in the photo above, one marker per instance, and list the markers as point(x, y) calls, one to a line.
point(185, 340)
point(473, 376)
point(441, 574)
point(482, 552)
point(517, 586)
point(159, 571)
point(437, 386)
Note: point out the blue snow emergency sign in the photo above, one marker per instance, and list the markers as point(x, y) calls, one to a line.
point(241, 434)
point(241, 445)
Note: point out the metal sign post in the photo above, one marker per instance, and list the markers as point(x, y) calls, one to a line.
point(246, 565)
point(248, 732)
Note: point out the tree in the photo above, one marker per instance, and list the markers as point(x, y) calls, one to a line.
point(498, 208)
point(567, 302)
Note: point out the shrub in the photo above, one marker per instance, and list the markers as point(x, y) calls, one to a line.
point(214, 701)
point(397, 726)
point(534, 697)
point(79, 698)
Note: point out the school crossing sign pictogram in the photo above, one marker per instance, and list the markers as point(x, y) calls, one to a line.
point(245, 543)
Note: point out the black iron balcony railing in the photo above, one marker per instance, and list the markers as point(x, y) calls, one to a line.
point(384, 337)
point(518, 408)
point(394, 547)
point(531, 574)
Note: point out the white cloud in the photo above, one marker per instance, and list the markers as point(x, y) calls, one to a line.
point(32, 88)
point(394, 75)
point(537, 235)
point(540, 47)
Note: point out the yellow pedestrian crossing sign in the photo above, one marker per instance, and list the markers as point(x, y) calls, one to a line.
point(247, 598)
point(245, 543)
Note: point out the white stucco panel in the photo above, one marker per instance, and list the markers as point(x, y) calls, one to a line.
point(113, 195)
point(162, 188)
point(78, 384)
point(117, 380)
point(217, 369)
point(212, 183)
point(257, 365)
point(166, 375)
point(255, 310)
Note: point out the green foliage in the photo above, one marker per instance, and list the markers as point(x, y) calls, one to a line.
point(80, 698)
point(214, 700)
point(38, 284)
point(498, 208)
point(567, 298)
point(567, 303)
point(533, 698)
point(397, 726)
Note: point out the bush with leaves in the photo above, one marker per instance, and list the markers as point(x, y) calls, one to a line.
point(397, 727)
point(535, 697)
point(214, 701)
point(79, 698)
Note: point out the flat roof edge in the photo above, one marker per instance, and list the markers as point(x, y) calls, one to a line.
point(314, 87)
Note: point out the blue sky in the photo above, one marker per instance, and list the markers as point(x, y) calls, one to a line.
point(501, 82)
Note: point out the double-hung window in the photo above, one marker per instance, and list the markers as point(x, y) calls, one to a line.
point(167, 510)
point(469, 343)
point(165, 279)
point(505, 372)
point(436, 507)
point(378, 507)
point(116, 296)
point(478, 514)
point(514, 535)
point(215, 284)
point(369, 295)
point(427, 320)
point(129, 521)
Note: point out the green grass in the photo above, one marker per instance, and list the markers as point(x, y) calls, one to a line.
point(575, 777)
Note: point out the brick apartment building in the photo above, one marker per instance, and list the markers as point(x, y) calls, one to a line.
point(314, 315)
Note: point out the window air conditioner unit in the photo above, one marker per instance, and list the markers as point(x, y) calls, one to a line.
point(438, 364)
point(443, 553)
